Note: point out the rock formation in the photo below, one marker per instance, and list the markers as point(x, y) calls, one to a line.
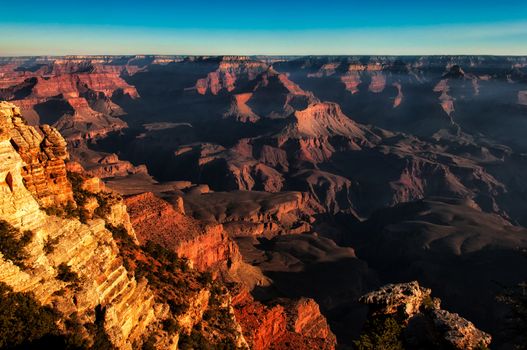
point(74, 263)
point(205, 245)
point(273, 171)
point(43, 154)
point(232, 71)
point(83, 91)
point(295, 325)
point(88, 249)
point(246, 213)
point(427, 325)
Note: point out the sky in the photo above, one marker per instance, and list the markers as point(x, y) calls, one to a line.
point(272, 27)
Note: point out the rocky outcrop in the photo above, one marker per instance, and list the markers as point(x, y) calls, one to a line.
point(103, 165)
point(262, 325)
point(43, 153)
point(324, 119)
point(88, 249)
point(73, 96)
point(205, 245)
point(459, 332)
point(246, 213)
point(404, 299)
point(85, 265)
point(326, 70)
point(268, 95)
point(240, 111)
point(378, 82)
point(286, 325)
point(86, 123)
point(424, 321)
point(83, 261)
point(231, 70)
point(446, 101)
point(351, 80)
point(305, 318)
point(333, 192)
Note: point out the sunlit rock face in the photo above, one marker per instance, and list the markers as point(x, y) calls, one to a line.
point(88, 248)
point(73, 95)
point(231, 72)
point(43, 152)
point(296, 324)
point(157, 220)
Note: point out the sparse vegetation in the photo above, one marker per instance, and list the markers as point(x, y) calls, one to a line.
point(74, 338)
point(81, 196)
point(150, 343)
point(428, 303)
point(68, 211)
point(194, 341)
point(13, 243)
point(170, 325)
point(105, 201)
point(516, 327)
point(175, 283)
point(50, 244)
point(206, 278)
point(120, 234)
point(101, 339)
point(380, 333)
point(65, 274)
point(23, 320)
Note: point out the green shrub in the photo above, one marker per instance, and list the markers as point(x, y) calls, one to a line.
point(54, 211)
point(170, 325)
point(12, 244)
point(119, 233)
point(177, 308)
point(23, 319)
point(150, 343)
point(166, 256)
point(515, 328)
point(380, 333)
point(104, 199)
point(101, 340)
point(50, 244)
point(194, 341)
point(68, 211)
point(74, 338)
point(206, 278)
point(65, 274)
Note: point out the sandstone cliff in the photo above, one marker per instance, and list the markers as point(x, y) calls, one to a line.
point(43, 153)
point(88, 250)
point(231, 71)
point(282, 325)
point(205, 245)
point(76, 262)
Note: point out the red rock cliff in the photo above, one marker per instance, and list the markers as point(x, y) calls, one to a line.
point(206, 245)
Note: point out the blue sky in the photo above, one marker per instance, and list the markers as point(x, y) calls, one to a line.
point(263, 27)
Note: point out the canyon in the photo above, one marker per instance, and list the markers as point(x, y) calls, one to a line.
point(281, 189)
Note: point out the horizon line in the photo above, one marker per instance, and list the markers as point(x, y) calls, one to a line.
point(262, 55)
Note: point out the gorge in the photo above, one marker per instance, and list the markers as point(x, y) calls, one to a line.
point(264, 202)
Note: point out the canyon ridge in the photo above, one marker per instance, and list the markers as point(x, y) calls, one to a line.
point(263, 202)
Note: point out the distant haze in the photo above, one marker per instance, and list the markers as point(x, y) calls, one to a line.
point(266, 27)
